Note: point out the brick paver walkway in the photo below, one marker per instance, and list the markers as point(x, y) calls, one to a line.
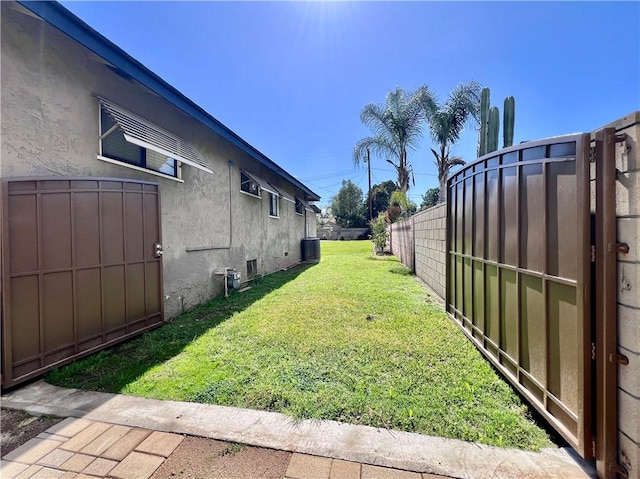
point(83, 449)
point(303, 466)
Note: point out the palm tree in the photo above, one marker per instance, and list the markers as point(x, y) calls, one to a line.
point(446, 122)
point(396, 128)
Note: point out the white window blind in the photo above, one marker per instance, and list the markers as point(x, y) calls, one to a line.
point(262, 184)
point(145, 134)
point(284, 195)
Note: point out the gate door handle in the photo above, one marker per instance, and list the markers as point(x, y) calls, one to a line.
point(158, 250)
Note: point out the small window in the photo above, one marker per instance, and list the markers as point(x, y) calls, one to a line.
point(248, 185)
point(273, 205)
point(113, 145)
point(299, 206)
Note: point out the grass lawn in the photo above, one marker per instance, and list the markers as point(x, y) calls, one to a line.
point(354, 338)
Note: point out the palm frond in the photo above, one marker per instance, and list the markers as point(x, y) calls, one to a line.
point(377, 146)
point(456, 160)
point(461, 107)
point(428, 100)
point(396, 127)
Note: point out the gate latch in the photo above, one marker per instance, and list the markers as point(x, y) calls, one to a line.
point(157, 247)
point(618, 358)
point(618, 248)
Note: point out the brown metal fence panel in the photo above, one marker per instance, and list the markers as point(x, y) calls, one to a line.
point(519, 273)
point(79, 269)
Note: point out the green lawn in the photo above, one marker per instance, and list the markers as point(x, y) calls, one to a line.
point(354, 338)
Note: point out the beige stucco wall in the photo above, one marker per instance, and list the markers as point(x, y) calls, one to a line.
point(49, 127)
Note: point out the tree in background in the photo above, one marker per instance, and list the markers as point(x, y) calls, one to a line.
point(446, 122)
point(430, 198)
point(400, 207)
point(380, 196)
point(348, 206)
point(396, 128)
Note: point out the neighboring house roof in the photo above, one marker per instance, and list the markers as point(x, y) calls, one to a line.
point(124, 64)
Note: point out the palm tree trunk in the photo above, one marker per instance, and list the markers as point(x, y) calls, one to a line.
point(443, 172)
point(443, 190)
point(403, 173)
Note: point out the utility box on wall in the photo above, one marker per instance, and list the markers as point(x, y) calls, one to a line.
point(233, 279)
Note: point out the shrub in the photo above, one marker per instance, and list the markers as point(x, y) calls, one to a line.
point(380, 233)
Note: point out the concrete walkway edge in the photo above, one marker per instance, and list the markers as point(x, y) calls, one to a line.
point(364, 444)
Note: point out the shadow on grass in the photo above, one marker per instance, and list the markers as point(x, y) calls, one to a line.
point(401, 270)
point(112, 369)
point(382, 257)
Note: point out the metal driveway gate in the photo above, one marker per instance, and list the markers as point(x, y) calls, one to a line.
point(81, 269)
point(519, 272)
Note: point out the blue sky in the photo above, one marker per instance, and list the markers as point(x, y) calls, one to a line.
point(291, 77)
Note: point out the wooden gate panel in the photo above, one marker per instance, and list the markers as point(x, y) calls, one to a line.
point(79, 269)
point(112, 231)
point(88, 303)
point(87, 229)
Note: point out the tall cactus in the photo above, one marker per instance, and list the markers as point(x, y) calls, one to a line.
point(484, 122)
point(490, 123)
point(509, 120)
point(494, 128)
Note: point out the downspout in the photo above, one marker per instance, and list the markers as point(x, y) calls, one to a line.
point(208, 248)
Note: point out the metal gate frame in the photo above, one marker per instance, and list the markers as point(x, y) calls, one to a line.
point(550, 406)
point(81, 346)
point(607, 357)
point(598, 436)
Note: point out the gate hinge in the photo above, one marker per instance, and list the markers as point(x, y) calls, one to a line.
point(593, 253)
point(620, 470)
point(621, 138)
point(619, 358)
point(593, 350)
point(618, 248)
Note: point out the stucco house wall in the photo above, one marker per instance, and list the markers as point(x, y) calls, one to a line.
point(50, 127)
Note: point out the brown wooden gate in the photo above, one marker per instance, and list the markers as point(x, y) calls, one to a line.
point(519, 272)
point(81, 269)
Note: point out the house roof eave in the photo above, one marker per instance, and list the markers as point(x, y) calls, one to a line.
point(59, 17)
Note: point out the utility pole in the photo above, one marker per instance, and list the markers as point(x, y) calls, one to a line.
point(370, 199)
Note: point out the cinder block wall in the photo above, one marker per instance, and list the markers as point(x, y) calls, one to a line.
point(628, 231)
point(420, 243)
point(430, 227)
point(401, 241)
